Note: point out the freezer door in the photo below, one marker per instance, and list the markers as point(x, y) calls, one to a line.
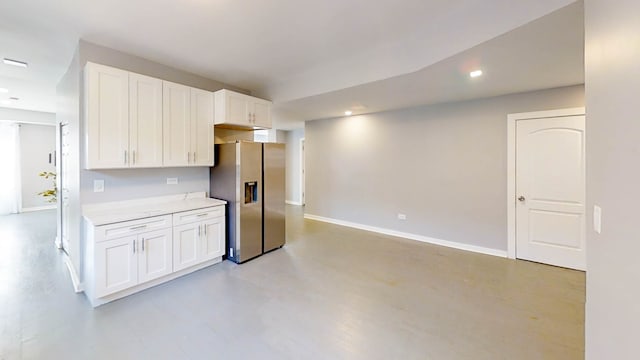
point(274, 196)
point(249, 235)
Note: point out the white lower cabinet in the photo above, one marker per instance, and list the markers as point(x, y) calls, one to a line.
point(154, 255)
point(198, 238)
point(131, 260)
point(116, 265)
point(129, 256)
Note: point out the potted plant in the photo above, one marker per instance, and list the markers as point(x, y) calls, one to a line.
point(51, 195)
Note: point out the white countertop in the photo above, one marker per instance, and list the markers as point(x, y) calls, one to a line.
point(118, 211)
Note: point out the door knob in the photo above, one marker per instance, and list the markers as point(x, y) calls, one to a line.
point(521, 198)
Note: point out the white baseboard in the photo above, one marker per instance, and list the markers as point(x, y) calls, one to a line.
point(290, 202)
point(426, 239)
point(38, 208)
point(75, 279)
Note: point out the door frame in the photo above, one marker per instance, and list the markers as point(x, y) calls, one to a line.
point(302, 172)
point(511, 164)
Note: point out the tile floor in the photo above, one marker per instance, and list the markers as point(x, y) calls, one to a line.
point(331, 293)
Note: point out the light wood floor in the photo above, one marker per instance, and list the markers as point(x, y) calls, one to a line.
point(331, 293)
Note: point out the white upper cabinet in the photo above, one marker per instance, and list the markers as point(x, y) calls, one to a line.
point(107, 115)
point(201, 127)
point(188, 124)
point(145, 121)
point(239, 110)
point(137, 121)
point(176, 110)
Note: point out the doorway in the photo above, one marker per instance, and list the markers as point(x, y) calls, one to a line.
point(302, 173)
point(546, 187)
point(10, 163)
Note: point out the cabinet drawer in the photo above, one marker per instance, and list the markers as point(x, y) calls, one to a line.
point(112, 231)
point(197, 215)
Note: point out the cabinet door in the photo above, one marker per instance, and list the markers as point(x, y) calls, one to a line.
point(107, 112)
point(262, 114)
point(155, 255)
point(185, 245)
point(201, 127)
point(213, 239)
point(145, 121)
point(176, 118)
point(116, 265)
point(237, 109)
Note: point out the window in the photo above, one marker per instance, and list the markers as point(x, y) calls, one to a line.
point(261, 135)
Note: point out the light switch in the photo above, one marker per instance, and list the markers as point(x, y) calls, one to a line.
point(98, 185)
point(597, 219)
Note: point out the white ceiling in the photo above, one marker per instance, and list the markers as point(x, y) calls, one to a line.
point(285, 50)
point(546, 53)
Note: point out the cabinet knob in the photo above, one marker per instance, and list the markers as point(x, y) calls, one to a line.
point(521, 198)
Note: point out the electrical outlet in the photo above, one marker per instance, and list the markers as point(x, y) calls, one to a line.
point(597, 219)
point(402, 216)
point(172, 181)
point(98, 185)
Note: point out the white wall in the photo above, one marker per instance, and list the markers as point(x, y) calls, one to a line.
point(68, 112)
point(443, 166)
point(293, 165)
point(37, 143)
point(26, 116)
point(612, 75)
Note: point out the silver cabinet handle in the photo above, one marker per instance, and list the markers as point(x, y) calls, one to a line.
point(142, 244)
point(201, 215)
point(199, 228)
point(125, 156)
point(194, 156)
point(521, 198)
point(134, 246)
point(138, 227)
point(188, 157)
point(204, 227)
point(134, 156)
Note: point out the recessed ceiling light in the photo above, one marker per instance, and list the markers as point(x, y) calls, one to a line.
point(4, 90)
point(15, 62)
point(475, 73)
point(348, 112)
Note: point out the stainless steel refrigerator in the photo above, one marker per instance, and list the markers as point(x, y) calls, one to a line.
point(250, 177)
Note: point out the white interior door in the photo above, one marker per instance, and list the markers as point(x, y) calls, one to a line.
point(550, 191)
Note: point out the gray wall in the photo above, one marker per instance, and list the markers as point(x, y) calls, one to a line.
point(444, 166)
point(127, 184)
point(293, 165)
point(613, 175)
point(36, 143)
